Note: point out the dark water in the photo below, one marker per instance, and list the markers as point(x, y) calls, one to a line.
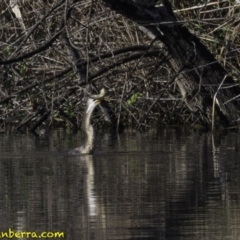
point(163, 184)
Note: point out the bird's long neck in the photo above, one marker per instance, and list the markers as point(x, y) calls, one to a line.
point(87, 127)
point(86, 122)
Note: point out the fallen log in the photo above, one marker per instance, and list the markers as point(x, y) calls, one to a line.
point(204, 84)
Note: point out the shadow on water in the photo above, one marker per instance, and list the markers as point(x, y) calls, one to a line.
point(163, 184)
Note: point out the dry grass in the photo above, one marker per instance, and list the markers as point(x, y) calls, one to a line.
point(217, 24)
point(39, 79)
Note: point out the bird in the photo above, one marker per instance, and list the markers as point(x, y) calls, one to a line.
point(88, 146)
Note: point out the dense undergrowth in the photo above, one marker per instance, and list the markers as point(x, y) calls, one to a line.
point(43, 84)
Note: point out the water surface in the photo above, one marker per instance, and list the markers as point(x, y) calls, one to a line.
point(165, 184)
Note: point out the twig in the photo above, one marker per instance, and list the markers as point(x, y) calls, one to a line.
point(214, 100)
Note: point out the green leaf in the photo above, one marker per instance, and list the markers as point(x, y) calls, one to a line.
point(133, 99)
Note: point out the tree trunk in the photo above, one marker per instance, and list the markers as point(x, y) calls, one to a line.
point(203, 83)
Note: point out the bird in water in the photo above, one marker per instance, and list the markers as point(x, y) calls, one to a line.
point(88, 146)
